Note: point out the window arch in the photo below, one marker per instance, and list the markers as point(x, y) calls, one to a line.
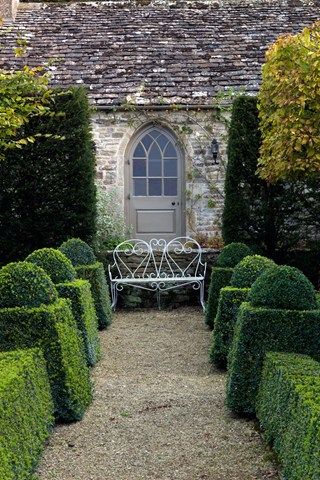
point(155, 164)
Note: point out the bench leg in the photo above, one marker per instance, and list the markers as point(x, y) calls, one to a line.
point(201, 292)
point(114, 295)
point(158, 300)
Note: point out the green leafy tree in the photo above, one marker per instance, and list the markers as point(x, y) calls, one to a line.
point(289, 104)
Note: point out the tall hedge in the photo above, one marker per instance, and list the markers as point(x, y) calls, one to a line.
point(279, 220)
point(47, 191)
point(26, 412)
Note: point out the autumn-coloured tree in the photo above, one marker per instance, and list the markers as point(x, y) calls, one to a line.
point(289, 105)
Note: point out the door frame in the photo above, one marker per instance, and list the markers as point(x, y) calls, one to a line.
point(127, 169)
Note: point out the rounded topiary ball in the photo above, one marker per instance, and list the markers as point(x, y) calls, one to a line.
point(55, 263)
point(78, 251)
point(249, 269)
point(23, 284)
point(232, 254)
point(283, 287)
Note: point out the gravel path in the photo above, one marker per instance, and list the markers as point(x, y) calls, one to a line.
point(158, 411)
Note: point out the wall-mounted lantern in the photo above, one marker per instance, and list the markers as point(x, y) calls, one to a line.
point(214, 148)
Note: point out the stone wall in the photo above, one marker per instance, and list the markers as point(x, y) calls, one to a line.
point(194, 130)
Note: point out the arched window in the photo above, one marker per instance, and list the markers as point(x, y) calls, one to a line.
point(155, 165)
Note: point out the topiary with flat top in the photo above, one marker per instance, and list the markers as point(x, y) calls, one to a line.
point(249, 269)
point(283, 287)
point(23, 284)
point(55, 263)
point(232, 254)
point(78, 251)
point(281, 314)
point(32, 315)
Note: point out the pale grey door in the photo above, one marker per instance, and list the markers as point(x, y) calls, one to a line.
point(155, 193)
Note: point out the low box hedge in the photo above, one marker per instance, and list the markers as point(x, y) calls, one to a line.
point(26, 412)
point(53, 329)
point(229, 302)
point(96, 276)
point(288, 408)
point(257, 331)
point(79, 293)
point(220, 277)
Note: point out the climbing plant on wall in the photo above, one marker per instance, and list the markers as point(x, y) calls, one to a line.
point(289, 104)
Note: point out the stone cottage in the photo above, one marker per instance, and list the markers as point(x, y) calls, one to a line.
point(161, 75)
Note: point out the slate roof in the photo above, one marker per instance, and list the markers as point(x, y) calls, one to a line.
point(161, 54)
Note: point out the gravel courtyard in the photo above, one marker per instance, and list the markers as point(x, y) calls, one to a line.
point(158, 411)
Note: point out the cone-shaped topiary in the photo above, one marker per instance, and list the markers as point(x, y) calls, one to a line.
point(283, 287)
point(78, 251)
point(24, 284)
point(55, 263)
point(249, 269)
point(232, 254)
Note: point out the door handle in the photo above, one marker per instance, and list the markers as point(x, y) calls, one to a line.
point(173, 203)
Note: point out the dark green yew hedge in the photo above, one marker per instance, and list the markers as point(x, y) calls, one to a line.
point(53, 329)
point(261, 330)
point(79, 293)
point(288, 408)
point(220, 277)
point(229, 302)
point(95, 274)
point(26, 412)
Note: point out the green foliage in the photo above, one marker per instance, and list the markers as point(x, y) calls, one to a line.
point(258, 331)
point(78, 251)
point(229, 302)
point(232, 254)
point(283, 287)
point(23, 284)
point(26, 412)
point(244, 204)
point(23, 94)
point(220, 277)
point(47, 188)
point(52, 328)
point(54, 263)
point(249, 269)
point(111, 225)
point(100, 291)
point(289, 104)
point(288, 408)
point(79, 293)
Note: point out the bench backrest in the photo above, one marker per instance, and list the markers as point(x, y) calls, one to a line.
point(179, 258)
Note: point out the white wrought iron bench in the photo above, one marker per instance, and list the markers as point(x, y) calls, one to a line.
point(157, 266)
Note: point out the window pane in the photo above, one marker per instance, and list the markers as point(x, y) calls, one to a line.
point(139, 151)
point(170, 167)
point(139, 167)
point(170, 187)
point(170, 151)
point(147, 140)
point(140, 187)
point(155, 187)
point(154, 168)
point(154, 152)
point(154, 133)
point(162, 141)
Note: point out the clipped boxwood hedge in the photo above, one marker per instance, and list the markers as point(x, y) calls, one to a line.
point(232, 254)
point(79, 293)
point(229, 302)
point(258, 331)
point(288, 408)
point(62, 272)
point(249, 269)
point(220, 277)
point(54, 263)
point(95, 274)
point(50, 327)
point(78, 251)
point(26, 412)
